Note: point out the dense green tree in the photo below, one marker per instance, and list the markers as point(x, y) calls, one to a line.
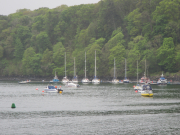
point(117, 52)
point(35, 64)
point(5, 33)
point(3, 25)
point(38, 23)
point(166, 55)
point(58, 54)
point(51, 20)
point(43, 42)
point(46, 62)
point(19, 50)
point(169, 9)
point(28, 55)
point(134, 26)
point(133, 57)
point(9, 48)
point(91, 60)
point(25, 20)
point(1, 51)
point(24, 34)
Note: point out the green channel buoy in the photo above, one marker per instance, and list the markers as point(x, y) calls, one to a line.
point(13, 105)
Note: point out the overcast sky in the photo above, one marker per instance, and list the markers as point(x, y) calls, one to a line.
point(10, 6)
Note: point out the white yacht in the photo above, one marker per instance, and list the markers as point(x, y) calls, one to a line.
point(162, 80)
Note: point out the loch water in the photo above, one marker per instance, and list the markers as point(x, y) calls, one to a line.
point(102, 109)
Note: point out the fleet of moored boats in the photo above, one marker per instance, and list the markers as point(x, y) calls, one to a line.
point(143, 85)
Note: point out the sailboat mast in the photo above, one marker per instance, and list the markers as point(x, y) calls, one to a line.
point(95, 63)
point(114, 68)
point(65, 64)
point(85, 64)
point(137, 71)
point(74, 68)
point(145, 68)
point(125, 68)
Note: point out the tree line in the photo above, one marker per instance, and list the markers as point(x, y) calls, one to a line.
point(34, 43)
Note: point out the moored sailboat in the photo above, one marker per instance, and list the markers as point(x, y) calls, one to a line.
point(65, 79)
point(75, 79)
point(55, 78)
point(85, 80)
point(115, 80)
point(146, 87)
point(137, 87)
point(162, 80)
point(95, 80)
point(144, 79)
point(125, 79)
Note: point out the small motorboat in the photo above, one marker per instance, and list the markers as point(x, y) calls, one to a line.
point(52, 89)
point(73, 85)
point(24, 82)
point(146, 90)
point(162, 80)
point(137, 88)
point(145, 87)
point(147, 93)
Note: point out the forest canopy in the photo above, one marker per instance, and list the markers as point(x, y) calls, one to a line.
point(34, 43)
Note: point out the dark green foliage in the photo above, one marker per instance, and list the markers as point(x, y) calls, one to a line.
point(35, 42)
point(43, 42)
point(19, 50)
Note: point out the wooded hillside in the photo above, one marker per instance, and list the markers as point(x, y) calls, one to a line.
point(34, 42)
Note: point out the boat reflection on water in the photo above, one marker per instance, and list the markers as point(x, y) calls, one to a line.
point(72, 85)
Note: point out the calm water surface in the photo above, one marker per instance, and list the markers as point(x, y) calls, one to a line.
point(91, 109)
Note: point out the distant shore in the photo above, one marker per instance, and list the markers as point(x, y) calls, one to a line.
point(175, 78)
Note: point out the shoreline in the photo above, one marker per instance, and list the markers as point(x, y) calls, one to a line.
point(103, 80)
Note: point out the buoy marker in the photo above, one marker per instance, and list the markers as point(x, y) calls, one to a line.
point(13, 105)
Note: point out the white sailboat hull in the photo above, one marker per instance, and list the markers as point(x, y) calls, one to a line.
point(96, 81)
